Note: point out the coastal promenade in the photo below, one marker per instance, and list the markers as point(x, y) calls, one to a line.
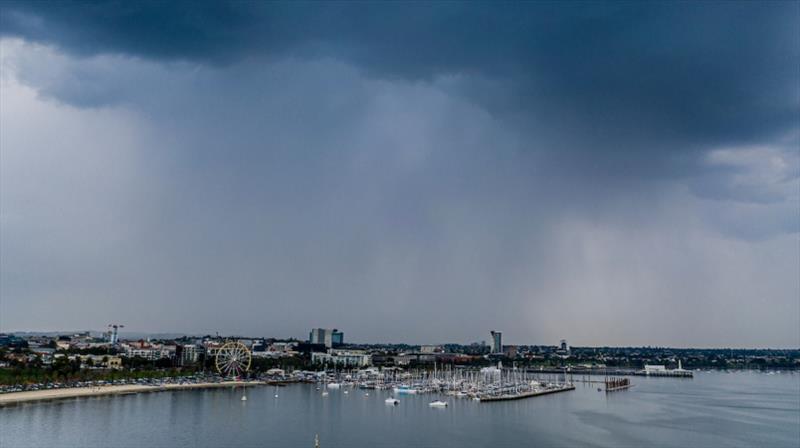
point(14, 398)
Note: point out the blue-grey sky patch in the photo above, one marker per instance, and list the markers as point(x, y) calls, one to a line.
point(610, 173)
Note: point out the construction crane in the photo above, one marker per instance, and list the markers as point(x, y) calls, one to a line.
point(114, 332)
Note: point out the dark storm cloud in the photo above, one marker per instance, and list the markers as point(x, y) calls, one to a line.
point(641, 78)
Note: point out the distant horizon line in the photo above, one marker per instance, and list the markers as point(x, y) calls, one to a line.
point(179, 334)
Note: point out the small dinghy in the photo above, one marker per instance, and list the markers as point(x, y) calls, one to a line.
point(392, 401)
point(438, 404)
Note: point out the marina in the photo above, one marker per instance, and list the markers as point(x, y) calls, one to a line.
point(482, 385)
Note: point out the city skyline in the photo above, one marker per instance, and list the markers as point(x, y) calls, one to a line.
point(613, 174)
point(477, 339)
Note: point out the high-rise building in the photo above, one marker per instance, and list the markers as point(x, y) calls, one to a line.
point(497, 341)
point(564, 345)
point(337, 337)
point(327, 337)
point(317, 336)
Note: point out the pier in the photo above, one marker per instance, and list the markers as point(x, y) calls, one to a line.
point(486, 384)
point(527, 394)
point(674, 373)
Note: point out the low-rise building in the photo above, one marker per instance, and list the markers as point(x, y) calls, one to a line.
point(98, 361)
point(654, 369)
point(404, 359)
point(343, 358)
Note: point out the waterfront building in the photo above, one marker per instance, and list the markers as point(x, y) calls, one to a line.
point(650, 369)
point(497, 341)
point(356, 358)
point(661, 370)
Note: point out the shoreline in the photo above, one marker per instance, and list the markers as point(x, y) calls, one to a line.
point(15, 398)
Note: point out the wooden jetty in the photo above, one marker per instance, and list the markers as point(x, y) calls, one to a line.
point(615, 384)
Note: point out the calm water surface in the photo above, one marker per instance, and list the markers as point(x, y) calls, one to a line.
point(715, 409)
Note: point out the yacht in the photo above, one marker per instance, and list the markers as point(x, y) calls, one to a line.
point(405, 390)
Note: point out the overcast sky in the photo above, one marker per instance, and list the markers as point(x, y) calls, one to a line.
point(609, 173)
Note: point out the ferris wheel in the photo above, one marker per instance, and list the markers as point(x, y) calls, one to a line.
point(233, 359)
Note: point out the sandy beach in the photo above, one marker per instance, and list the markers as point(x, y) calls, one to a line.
point(75, 392)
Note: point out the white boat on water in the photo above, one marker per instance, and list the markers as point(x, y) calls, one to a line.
point(393, 401)
point(334, 385)
point(405, 390)
point(438, 404)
